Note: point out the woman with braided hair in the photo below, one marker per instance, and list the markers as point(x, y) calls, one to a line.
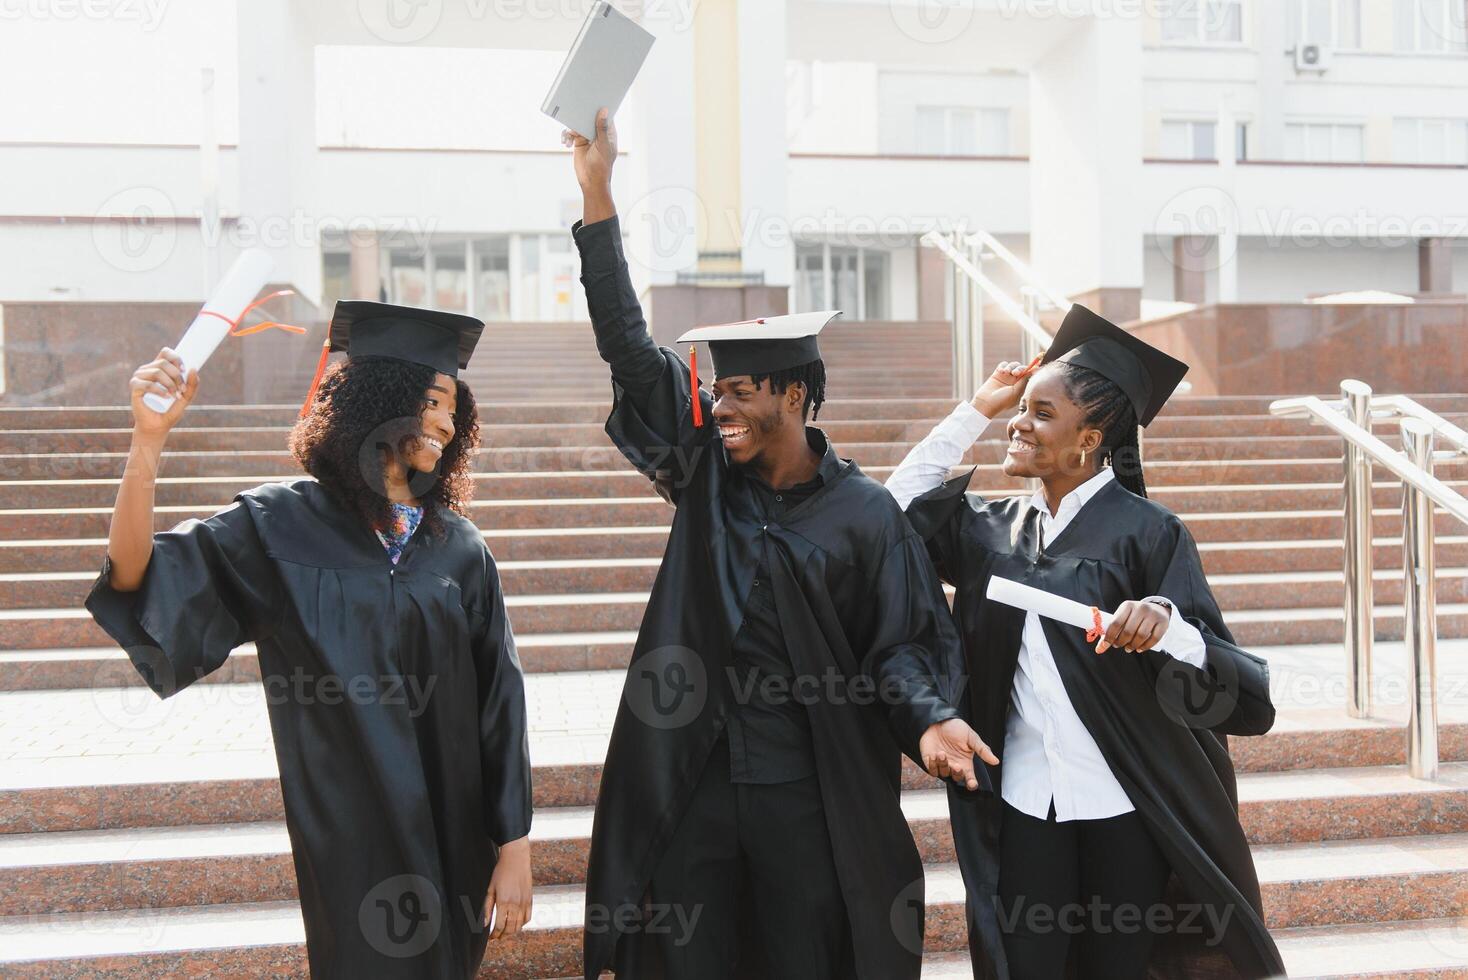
point(1111, 846)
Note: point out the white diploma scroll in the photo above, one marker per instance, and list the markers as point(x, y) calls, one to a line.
point(1043, 603)
point(237, 290)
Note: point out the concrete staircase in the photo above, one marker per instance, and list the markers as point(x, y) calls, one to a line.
point(141, 837)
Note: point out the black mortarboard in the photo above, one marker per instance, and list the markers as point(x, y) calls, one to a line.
point(442, 341)
point(1145, 374)
point(771, 343)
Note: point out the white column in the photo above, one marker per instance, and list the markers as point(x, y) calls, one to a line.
point(1228, 232)
point(1086, 160)
point(277, 140)
point(655, 125)
point(763, 161)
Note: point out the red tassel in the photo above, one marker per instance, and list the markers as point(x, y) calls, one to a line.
point(1094, 634)
point(316, 381)
point(693, 380)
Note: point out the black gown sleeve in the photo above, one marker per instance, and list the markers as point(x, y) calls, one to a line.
point(652, 415)
point(937, 516)
point(1230, 693)
point(914, 656)
point(504, 741)
point(209, 588)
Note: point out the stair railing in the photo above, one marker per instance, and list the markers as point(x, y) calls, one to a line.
point(1350, 417)
point(967, 251)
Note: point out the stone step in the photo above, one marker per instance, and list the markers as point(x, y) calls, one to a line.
point(1416, 879)
point(518, 432)
point(217, 491)
point(111, 759)
point(595, 410)
point(649, 510)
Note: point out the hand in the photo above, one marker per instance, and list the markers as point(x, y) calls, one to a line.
point(163, 375)
point(1136, 627)
point(593, 158)
point(948, 749)
point(509, 902)
point(1003, 390)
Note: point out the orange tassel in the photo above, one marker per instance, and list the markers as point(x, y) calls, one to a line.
point(693, 380)
point(316, 381)
point(1094, 634)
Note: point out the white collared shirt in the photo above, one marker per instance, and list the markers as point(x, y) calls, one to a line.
point(1049, 755)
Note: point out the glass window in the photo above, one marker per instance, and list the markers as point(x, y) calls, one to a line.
point(1431, 25)
point(843, 281)
point(961, 131)
point(1189, 139)
point(1325, 142)
point(1443, 141)
point(408, 278)
point(1336, 23)
point(450, 279)
point(874, 284)
point(1204, 21)
point(492, 278)
point(530, 281)
point(336, 278)
point(810, 278)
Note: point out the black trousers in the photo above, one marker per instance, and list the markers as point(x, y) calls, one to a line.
point(1087, 882)
point(758, 852)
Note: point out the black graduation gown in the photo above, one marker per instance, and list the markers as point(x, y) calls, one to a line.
point(859, 604)
point(1160, 723)
point(396, 702)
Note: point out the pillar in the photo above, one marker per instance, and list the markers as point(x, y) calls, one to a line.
point(1086, 166)
point(1435, 265)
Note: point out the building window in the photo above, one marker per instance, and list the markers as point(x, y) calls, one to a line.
point(1430, 141)
point(1203, 22)
point(1431, 25)
point(1334, 23)
point(492, 279)
point(1325, 142)
point(1197, 139)
point(853, 280)
point(962, 131)
point(336, 278)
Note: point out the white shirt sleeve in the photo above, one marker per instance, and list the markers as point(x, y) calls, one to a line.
point(928, 463)
point(1182, 641)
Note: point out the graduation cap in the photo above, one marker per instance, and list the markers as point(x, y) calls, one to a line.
point(761, 346)
point(1146, 375)
point(442, 341)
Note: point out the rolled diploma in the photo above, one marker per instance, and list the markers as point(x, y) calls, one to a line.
point(1043, 603)
point(237, 290)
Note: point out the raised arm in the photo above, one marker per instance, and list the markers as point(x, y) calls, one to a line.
point(130, 538)
point(928, 463)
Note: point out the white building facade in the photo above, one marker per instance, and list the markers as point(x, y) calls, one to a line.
point(796, 148)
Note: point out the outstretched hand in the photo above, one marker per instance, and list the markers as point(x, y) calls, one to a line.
point(948, 751)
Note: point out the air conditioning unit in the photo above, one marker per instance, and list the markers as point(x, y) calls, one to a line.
point(1312, 58)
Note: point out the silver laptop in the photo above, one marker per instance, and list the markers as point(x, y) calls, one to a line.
point(599, 69)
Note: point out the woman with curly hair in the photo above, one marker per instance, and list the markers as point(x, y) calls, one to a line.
point(394, 691)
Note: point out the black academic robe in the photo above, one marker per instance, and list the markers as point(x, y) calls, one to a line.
point(1160, 723)
point(860, 608)
point(396, 702)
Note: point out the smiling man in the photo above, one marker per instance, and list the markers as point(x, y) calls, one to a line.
point(795, 643)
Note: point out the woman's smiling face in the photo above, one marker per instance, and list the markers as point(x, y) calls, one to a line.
point(1047, 435)
point(422, 450)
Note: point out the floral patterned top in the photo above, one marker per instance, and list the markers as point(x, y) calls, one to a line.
point(406, 518)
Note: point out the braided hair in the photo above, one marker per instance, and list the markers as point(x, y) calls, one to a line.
point(1107, 408)
point(812, 375)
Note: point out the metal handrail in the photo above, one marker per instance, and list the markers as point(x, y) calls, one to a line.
point(988, 241)
point(1351, 419)
point(1006, 302)
point(1400, 406)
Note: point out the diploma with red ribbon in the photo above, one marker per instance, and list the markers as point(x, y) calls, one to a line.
point(220, 316)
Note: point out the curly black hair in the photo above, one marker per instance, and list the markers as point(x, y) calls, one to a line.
point(365, 408)
point(812, 375)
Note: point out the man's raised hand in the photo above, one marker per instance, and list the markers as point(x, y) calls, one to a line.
point(594, 157)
